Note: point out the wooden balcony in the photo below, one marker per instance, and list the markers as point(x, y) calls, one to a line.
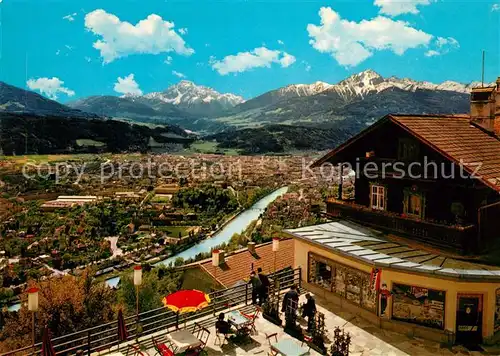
point(459, 237)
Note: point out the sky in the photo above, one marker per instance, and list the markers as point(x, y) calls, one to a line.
point(72, 49)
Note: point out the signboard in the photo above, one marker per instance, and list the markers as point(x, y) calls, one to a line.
point(375, 279)
point(418, 305)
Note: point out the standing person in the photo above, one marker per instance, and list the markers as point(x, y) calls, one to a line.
point(384, 296)
point(256, 286)
point(309, 311)
point(290, 300)
point(265, 286)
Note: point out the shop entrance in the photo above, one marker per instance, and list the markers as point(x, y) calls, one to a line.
point(469, 319)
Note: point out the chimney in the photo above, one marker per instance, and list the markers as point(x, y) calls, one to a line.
point(485, 107)
point(222, 257)
point(251, 247)
point(218, 258)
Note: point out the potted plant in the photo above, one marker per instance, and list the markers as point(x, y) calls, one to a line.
point(270, 312)
point(317, 340)
point(292, 328)
point(341, 343)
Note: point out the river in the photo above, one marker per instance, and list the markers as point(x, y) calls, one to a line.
point(237, 225)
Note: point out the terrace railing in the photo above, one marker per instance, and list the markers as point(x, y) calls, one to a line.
point(458, 237)
point(104, 337)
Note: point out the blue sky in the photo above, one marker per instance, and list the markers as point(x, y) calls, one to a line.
point(72, 49)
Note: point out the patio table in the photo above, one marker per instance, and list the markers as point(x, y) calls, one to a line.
point(183, 339)
point(289, 347)
point(240, 322)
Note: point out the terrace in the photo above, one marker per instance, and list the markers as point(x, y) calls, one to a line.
point(367, 339)
point(432, 232)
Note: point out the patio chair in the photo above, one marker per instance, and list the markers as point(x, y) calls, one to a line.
point(307, 340)
point(270, 337)
point(196, 328)
point(253, 317)
point(202, 335)
point(219, 336)
point(269, 340)
point(136, 351)
point(162, 349)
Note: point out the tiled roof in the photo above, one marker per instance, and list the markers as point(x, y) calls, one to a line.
point(239, 265)
point(453, 136)
point(370, 247)
point(460, 141)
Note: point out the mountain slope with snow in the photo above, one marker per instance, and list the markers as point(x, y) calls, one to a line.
point(196, 99)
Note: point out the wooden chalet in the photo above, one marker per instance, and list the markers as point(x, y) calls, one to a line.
point(434, 178)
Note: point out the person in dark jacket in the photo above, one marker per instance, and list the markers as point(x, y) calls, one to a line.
point(256, 287)
point(309, 311)
point(290, 300)
point(264, 291)
point(222, 326)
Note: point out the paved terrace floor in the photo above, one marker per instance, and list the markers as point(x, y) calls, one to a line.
point(367, 339)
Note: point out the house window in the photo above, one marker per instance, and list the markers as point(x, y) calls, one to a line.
point(346, 282)
point(414, 203)
point(378, 197)
point(407, 150)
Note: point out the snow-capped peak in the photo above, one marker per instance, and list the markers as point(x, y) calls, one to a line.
point(188, 93)
point(304, 89)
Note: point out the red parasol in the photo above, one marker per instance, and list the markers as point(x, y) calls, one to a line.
point(185, 301)
point(47, 348)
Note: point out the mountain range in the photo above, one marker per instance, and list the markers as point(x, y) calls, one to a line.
point(348, 106)
point(362, 98)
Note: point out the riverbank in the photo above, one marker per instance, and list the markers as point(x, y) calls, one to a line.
point(235, 226)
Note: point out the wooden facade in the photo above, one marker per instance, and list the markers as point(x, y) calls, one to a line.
point(406, 186)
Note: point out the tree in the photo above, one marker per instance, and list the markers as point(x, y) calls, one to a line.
point(66, 305)
point(156, 284)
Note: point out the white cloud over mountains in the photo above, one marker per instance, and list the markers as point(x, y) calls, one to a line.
point(350, 42)
point(127, 85)
point(398, 7)
point(118, 38)
point(256, 58)
point(51, 87)
point(178, 74)
point(70, 17)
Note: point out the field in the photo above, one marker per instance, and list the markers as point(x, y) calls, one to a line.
point(173, 231)
point(211, 147)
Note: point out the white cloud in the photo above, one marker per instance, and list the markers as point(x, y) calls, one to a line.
point(447, 42)
point(287, 60)
point(50, 87)
point(307, 66)
point(88, 59)
point(58, 52)
point(119, 38)
point(70, 17)
point(183, 31)
point(178, 74)
point(432, 53)
point(127, 85)
point(398, 7)
point(495, 7)
point(70, 48)
point(350, 43)
point(243, 61)
point(281, 42)
point(168, 60)
point(443, 46)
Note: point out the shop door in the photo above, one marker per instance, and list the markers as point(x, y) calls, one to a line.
point(469, 319)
